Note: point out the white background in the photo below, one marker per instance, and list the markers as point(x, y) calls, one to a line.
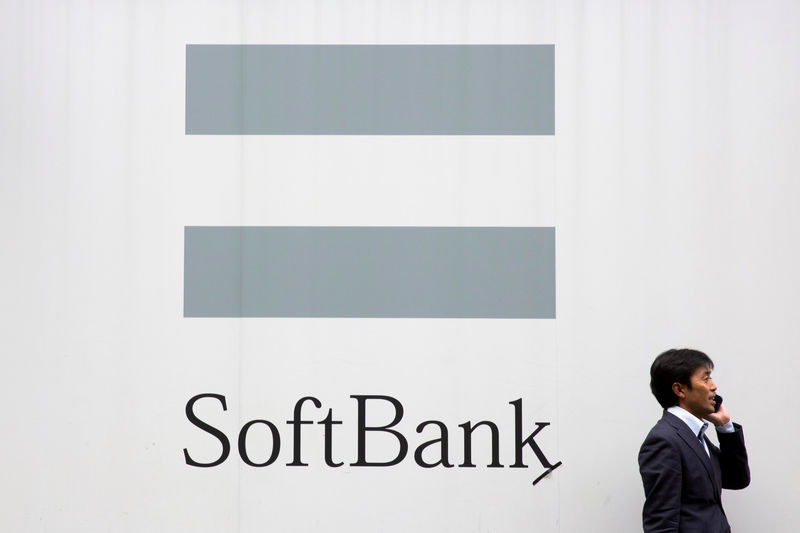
point(671, 181)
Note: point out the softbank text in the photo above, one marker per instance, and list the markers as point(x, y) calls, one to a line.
point(522, 442)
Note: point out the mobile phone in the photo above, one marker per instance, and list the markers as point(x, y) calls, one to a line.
point(717, 402)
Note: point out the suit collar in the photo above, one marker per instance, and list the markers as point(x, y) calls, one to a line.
point(694, 423)
point(694, 444)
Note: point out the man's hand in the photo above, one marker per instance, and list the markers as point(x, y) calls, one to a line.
point(720, 418)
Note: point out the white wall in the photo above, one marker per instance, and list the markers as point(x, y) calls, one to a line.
point(670, 181)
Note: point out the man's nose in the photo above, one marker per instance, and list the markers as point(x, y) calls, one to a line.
point(713, 385)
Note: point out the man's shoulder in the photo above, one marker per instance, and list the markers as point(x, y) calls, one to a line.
point(667, 424)
point(662, 448)
point(665, 430)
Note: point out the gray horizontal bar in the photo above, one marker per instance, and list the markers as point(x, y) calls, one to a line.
point(393, 272)
point(370, 89)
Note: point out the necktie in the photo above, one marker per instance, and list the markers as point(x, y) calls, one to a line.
point(700, 436)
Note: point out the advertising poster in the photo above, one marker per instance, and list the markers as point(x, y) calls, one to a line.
point(371, 266)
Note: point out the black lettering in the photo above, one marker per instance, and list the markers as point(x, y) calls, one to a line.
point(520, 443)
point(276, 442)
point(443, 446)
point(328, 423)
point(468, 429)
point(208, 428)
point(297, 422)
point(363, 428)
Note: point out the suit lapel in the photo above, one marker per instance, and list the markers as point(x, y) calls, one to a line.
point(717, 472)
point(694, 444)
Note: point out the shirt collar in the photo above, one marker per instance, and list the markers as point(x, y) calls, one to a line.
point(694, 423)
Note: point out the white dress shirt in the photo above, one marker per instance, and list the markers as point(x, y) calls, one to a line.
point(696, 425)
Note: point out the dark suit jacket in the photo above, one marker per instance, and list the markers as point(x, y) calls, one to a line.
point(683, 485)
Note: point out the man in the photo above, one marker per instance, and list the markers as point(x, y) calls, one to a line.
point(682, 471)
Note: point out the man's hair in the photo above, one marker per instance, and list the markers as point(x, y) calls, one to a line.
point(675, 366)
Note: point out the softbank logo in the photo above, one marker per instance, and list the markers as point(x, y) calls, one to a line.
point(310, 411)
point(364, 272)
point(370, 271)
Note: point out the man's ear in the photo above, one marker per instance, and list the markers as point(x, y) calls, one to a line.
point(678, 389)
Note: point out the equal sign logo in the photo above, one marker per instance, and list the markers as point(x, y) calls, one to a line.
point(369, 271)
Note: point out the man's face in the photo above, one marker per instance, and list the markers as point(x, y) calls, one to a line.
point(699, 399)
